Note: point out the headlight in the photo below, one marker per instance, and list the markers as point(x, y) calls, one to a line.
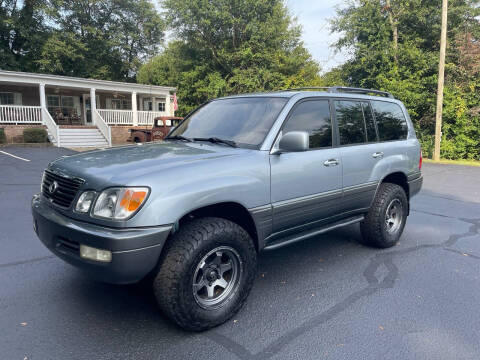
point(119, 203)
point(85, 201)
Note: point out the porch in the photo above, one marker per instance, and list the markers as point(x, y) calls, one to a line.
point(57, 101)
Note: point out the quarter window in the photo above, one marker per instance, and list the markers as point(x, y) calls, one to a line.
point(391, 122)
point(312, 116)
point(351, 125)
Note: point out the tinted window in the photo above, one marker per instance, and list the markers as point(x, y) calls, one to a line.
point(350, 122)
point(369, 122)
point(243, 120)
point(312, 116)
point(391, 122)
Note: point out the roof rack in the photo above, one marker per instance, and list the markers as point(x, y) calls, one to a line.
point(360, 91)
point(346, 89)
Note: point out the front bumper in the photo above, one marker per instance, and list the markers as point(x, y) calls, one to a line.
point(135, 251)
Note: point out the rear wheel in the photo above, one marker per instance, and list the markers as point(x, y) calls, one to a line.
point(384, 223)
point(206, 273)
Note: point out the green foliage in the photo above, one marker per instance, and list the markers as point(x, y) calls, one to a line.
point(3, 138)
point(22, 33)
point(35, 135)
point(105, 39)
point(229, 47)
point(395, 47)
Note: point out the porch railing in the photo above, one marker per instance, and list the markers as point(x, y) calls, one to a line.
point(116, 117)
point(52, 127)
point(146, 117)
point(20, 114)
point(102, 126)
point(125, 117)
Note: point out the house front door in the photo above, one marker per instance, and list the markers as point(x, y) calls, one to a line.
point(87, 108)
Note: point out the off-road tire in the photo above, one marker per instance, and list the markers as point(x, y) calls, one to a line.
point(373, 227)
point(184, 251)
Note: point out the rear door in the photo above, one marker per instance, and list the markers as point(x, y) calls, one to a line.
point(306, 186)
point(359, 152)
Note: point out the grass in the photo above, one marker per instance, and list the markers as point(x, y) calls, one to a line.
point(454, 162)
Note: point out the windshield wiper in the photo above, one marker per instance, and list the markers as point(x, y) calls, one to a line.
point(217, 140)
point(178, 137)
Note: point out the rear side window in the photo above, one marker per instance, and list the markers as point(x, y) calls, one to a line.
point(351, 125)
point(312, 116)
point(391, 122)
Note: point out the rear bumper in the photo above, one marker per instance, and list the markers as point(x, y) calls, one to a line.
point(135, 251)
point(415, 184)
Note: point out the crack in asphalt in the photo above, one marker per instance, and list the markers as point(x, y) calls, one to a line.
point(16, 263)
point(374, 285)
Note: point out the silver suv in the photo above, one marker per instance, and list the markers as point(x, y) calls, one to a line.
point(239, 175)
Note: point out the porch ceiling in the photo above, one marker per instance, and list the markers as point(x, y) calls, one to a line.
point(83, 84)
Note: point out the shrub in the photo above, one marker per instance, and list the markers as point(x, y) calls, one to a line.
point(3, 138)
point(35, 135)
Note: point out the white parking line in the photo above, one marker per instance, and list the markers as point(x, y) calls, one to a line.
point(15, 156)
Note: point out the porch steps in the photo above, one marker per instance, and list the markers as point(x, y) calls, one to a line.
point(86, 137)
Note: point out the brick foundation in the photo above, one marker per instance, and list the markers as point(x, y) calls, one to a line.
point(14, 133)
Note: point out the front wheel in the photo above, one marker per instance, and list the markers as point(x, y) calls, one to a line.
point(206, 273)
point(384, 223)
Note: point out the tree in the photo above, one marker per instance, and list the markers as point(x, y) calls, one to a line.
point(22, 33)
point(394, 47)
point(107, 39)
point(228, 47)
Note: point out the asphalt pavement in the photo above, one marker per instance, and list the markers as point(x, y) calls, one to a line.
point(324, 298)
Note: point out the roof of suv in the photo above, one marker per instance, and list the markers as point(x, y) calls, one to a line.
point(347, 92)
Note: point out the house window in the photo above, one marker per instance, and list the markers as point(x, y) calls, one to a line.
point(147, 104)
point(160, 104)
point(121, 104)
point(67, 102)
point(61, 104)
point(53, 101)
point(7, 98)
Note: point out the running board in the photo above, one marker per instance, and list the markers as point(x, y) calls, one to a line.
point(310, 233)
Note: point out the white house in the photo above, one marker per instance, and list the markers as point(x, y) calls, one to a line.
point(80, 112)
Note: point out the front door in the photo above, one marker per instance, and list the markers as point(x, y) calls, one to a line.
point(306, 187)
point(87, 108)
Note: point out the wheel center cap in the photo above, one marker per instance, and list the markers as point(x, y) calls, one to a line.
point(211, 275)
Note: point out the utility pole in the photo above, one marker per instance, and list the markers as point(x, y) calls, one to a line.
point(441, 79)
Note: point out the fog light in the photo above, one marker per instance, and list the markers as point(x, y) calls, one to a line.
point(91, 253)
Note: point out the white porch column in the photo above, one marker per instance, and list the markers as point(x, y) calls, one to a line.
point(43, 102)
point(93, 104)
point(134, 109)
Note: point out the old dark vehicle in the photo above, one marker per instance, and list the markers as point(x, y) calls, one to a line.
point(161, 127)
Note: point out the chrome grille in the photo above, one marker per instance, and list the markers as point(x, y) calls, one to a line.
point(63, 193)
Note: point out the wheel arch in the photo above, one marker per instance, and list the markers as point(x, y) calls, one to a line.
point(232, 211)
point(399, 178)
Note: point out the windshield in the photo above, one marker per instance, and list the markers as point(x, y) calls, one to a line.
point(246, 121)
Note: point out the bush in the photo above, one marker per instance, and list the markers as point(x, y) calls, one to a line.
point(35, 135)
point(3, 138)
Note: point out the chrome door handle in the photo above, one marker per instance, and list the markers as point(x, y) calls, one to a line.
point(331, 162)
point(377, 155)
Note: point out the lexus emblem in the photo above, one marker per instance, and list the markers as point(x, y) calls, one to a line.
point(53, 187)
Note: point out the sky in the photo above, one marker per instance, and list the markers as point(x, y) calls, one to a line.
point(313, 15)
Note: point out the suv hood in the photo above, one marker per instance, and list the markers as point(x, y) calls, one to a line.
point(120, 165)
